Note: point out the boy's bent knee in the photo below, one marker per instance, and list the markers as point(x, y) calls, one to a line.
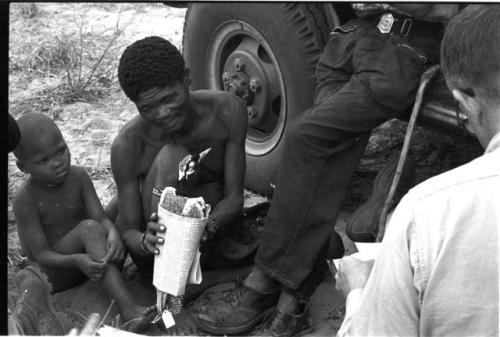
point(92, 227)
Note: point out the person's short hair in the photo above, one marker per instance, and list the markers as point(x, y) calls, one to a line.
point(32, 126)
point(470, 50)
point(148, 63)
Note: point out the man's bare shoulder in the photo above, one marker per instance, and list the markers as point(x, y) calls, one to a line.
point(229, 107)
point(129, 139)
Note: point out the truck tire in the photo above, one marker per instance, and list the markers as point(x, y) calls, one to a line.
point(266, 53)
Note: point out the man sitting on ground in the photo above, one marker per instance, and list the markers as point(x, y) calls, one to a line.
point(62, 226)
point(437, 271)
point(173, 122)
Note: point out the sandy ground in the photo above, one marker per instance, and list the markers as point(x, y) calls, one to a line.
point(89, 126)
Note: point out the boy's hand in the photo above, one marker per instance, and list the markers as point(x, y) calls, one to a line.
point(114, 246)
point(151, 239)
point(94, 270)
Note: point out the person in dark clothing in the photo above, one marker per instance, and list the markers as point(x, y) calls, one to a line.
point(368, 73)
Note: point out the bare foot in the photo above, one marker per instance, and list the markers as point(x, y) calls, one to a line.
point(140, 319)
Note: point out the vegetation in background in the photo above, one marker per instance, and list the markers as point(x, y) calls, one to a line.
point(87, 57)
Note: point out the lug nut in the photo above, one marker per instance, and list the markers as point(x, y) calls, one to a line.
point(254, 84)
point(225, 77)
point(239, 63)
point(252, 112)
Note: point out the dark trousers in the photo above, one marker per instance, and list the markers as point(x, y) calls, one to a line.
point(364, 78)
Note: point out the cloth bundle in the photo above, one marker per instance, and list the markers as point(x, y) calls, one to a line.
point(178, 262)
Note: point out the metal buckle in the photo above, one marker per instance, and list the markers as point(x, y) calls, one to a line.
point(385, 23)
point(406, 27)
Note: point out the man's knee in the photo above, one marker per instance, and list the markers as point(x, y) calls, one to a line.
point(170, 155)
point(92, 228)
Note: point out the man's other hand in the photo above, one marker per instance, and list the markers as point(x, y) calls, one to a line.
point(114, 245)
point(151, 239)
point(352, 274)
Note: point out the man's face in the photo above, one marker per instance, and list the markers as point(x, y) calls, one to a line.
point(165, 107)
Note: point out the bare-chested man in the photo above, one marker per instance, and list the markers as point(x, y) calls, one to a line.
point(173, 122)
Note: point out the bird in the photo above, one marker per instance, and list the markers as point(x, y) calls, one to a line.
point(190, 164)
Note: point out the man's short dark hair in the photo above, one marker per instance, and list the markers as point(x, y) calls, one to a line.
point(148, 63)
point(470, 50)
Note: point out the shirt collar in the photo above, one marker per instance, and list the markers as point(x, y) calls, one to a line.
point(494, 143)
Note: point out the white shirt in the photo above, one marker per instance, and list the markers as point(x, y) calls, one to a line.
point(437, 271)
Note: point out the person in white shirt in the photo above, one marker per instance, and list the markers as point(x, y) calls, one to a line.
point(437, 271)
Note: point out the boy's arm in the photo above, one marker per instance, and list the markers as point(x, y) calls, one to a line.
point(129, 196)
point(235, 117)
point(94, 210)
point(30, 230)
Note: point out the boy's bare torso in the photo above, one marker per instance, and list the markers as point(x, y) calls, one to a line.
point(59, 208)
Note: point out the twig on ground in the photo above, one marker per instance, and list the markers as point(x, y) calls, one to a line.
point(107, 312)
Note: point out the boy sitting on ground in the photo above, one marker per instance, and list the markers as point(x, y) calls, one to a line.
point(61, 223)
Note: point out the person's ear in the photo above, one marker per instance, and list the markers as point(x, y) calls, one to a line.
point(469, 104)
point(21, 166)
point(187, 77)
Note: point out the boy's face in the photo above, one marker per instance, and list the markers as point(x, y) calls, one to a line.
point(165, 107)
point(48, 159)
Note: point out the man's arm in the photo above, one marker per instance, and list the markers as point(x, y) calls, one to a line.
point(230, 206)
point(30, 230)
point(94, 210)
point(123, 164)
point(388, 304)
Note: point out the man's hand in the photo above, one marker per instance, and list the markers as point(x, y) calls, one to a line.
point(352, 273)
point(150, 238)
point(211, 228)
point(114, 246)
point(93, 269)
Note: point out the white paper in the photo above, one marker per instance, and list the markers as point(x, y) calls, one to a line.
point(366, 251)
point(173, 265)
point(195, 276)
point(107, 330)
point(168, 319)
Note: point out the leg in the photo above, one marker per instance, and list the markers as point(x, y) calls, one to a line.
point(90, 236)
point(164, 172)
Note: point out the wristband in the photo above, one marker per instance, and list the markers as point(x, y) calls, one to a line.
point(143, 244)
point(157, 191)
point(212, 225)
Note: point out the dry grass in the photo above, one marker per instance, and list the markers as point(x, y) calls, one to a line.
point(86, 56)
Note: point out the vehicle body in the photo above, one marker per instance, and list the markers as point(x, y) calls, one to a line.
point(266, 53)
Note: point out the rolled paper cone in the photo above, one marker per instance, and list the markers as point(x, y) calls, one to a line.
point(181, 241)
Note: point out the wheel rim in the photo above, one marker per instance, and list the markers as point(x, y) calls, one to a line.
point(239, 59)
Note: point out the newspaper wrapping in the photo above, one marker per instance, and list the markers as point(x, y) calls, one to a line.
point(178, 261)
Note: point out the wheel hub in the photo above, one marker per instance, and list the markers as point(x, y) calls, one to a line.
point(244, 76)
point(240, 60)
